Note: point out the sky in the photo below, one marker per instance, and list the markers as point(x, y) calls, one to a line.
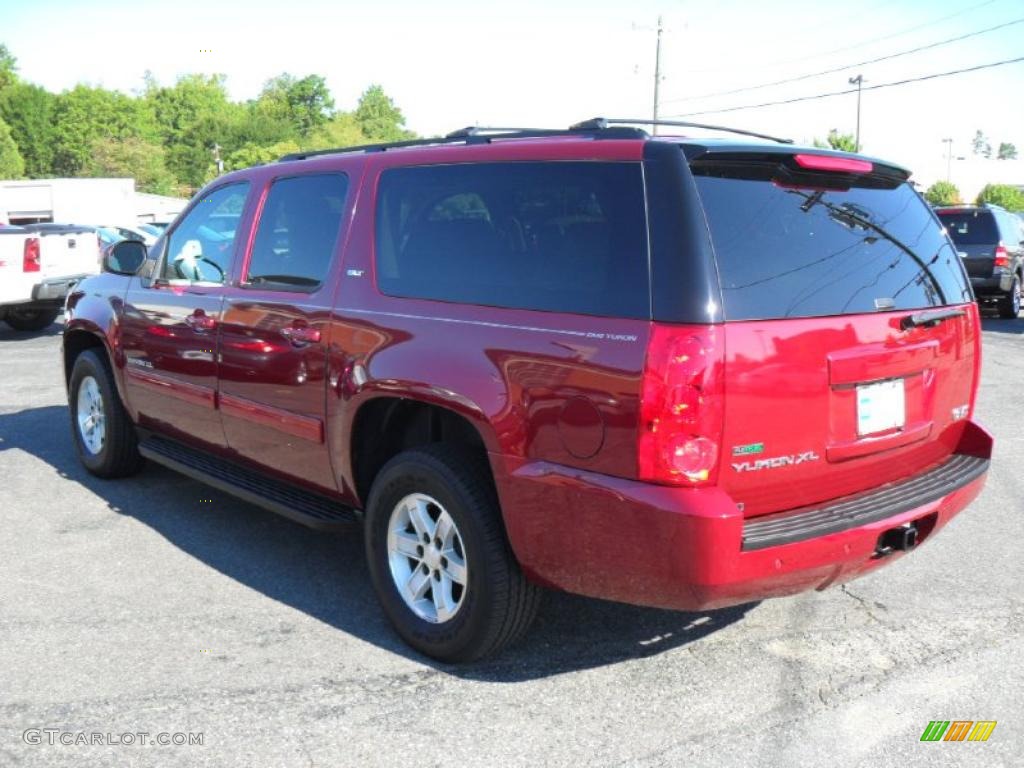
point(450, 63)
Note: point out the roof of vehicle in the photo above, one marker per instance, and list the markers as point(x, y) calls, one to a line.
point(602, 129)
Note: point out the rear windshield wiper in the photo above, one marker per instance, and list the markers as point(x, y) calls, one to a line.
point(856, 215)
point(929, 319)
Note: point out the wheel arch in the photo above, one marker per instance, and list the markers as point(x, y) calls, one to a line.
point(80, 337)
point(384, 426)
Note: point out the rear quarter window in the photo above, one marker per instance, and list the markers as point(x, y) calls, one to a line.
point(784, 250)
point(561, 237)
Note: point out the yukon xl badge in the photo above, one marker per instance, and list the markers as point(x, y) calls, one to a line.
point(778, 461)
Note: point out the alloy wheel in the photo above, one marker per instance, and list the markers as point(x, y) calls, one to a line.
point(92, 422)
point(426, 558)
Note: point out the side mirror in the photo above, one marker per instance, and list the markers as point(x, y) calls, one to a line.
point(125, 257)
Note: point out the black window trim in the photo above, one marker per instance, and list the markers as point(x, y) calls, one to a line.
point(243, 279)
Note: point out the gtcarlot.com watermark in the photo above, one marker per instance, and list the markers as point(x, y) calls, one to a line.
point(58, 737)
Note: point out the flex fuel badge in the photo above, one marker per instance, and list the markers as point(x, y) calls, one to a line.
point(747, 450)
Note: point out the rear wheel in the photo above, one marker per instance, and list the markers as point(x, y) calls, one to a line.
point(104, 434)
point(1009, 306)
point(439, 560)
point(31, 319)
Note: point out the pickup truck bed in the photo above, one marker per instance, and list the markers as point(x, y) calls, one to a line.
point(38, 269)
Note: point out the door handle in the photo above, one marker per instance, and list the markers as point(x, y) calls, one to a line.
point(300, 336)
point(200, 322)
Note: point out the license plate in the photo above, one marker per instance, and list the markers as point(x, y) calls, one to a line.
point(881, 407)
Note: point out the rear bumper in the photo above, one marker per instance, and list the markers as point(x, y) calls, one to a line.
point(55, 289)
point(992, 286)
point(684, 548)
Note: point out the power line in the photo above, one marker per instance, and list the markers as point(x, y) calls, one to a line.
point(848, 66)
point(863, 43)
point(853, 90)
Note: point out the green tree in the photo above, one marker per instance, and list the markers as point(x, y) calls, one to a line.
point(251, 154)
point(11, 164)
point(304, 104)
point(342, 130)
point(943, 193)
point(378, 117)
point(85, 114)
point(836, 140)
point(132, 157)
point(193, 116)
point(1006, 151)
point(1005, 195)
point(8, 67)
point(980, 145)
point(29, 111)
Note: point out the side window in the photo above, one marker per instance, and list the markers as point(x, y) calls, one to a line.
point(555, 236)
point(297, 233)
point(200, 248)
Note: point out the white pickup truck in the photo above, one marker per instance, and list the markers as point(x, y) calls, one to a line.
point(37, 269)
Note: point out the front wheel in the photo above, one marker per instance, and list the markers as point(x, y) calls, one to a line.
point(438, 557)
point(103, 432)
point(1009, 306)
point(31, 319)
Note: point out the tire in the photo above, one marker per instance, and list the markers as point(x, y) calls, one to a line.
point(496, 604)
point(1009, 306)
point(31, 319)
point(116, 453)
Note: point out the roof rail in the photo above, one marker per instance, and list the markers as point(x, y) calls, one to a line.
point(602, 123)
point(479, 130)
point(478, 135)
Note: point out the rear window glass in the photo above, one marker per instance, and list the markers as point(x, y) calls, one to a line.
point(971, 227)
point(793, 251)
point(563, 237)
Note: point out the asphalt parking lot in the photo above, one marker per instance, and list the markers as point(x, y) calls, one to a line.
point(158, 605)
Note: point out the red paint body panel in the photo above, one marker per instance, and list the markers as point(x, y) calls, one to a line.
point(277, 419)
point(204, 397)
point(680, 548)
point(792, 385)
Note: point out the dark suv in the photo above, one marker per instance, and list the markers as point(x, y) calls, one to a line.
point(991, 242)
point(678, 372)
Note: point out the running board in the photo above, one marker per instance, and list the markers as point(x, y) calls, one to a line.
point(310, 509)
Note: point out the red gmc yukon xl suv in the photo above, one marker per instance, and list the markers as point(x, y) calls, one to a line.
point(676, 372)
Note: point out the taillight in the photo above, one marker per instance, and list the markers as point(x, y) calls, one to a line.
point(30, 256)
point(1002, 257)
point(681, 405)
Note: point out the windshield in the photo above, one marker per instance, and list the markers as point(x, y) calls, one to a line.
point(795, 251)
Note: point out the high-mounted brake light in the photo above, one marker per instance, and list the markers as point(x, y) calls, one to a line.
point(830, 163)
point(30, 261)
point(1002, 256)
point(681, 406)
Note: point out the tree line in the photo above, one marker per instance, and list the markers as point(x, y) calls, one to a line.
point(169, 138)
point(1004, 195)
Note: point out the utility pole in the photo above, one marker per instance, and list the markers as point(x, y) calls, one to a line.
point(657, 75)
point(657, 66)
point(217, 158)
point(949, 156)
point(858, 81)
